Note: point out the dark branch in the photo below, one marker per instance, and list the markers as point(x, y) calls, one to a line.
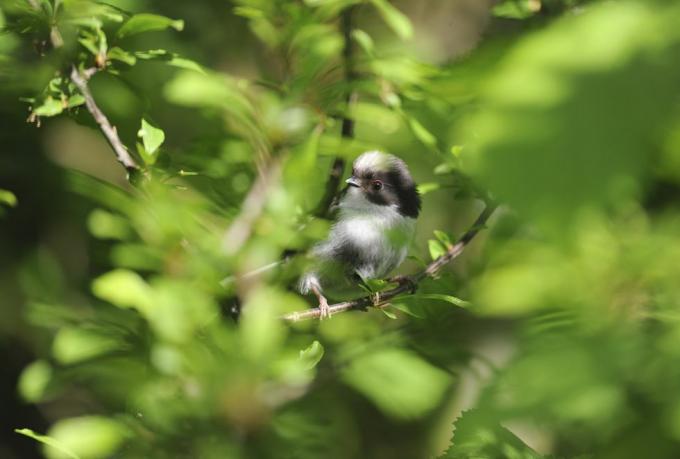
point(347, 130)
point(109, 131)
point(381, 299)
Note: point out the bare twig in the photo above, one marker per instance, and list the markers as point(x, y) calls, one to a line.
point(109, 131)
point(347, 130)
point(381, 299)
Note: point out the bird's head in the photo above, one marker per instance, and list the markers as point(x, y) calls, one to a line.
point(384, 180)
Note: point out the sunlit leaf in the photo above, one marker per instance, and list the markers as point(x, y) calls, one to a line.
point(145, 22)
point(123, 288)
point(394, 18)
point(88, 437)
point(34, 380)
point(152, 138)
point(63, 450)
point(399, 382)
point(312, 355)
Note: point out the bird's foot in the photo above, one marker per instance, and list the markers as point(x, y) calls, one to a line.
point(324, 309)
point(404, 280)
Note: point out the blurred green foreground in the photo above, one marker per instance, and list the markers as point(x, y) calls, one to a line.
point(555, 334)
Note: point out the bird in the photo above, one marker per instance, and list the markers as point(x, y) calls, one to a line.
point(375, 224)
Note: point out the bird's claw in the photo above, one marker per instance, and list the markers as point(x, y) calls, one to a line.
point(324, 309)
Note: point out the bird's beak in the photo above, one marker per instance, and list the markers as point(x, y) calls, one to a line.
point(353, 181)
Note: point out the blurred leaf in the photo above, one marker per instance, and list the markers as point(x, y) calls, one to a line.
point(442, 297)
point(517, 9)
point(443, 237)
point(364, 40)
point(49, 441)
point(180, 310)
point(169, 58)
point(554, 133)
point(34, 380)
point(152, 138)
point(49, 107)
point(74, 344)
point(105, 225)
point(312, 355)
point(124, 288)
point(89, 437)
point(436, 248)
point(399, 382)
point(428, 187)
point(8, 198)
point(395, 19)
point(388, 314)
point(121, 55)
point(146, 22)
point(478, 435)
point(261, 332)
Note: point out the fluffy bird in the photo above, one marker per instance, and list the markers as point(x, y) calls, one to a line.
point(375, 224)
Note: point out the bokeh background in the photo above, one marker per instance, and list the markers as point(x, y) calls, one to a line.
point(555, 334)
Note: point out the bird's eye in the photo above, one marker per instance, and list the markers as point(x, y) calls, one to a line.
point(377, 185)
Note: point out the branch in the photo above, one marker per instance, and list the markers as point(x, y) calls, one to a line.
point(380, 300)
point(122, 154)
point(347, 130)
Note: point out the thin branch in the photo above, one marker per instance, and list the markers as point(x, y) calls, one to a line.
point(347, 129)
point(381, 300)
point(109, 131)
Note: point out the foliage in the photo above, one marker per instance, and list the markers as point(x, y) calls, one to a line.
point(560, 328)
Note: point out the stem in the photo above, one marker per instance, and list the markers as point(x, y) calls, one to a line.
point(347, 129)
point(109, 131)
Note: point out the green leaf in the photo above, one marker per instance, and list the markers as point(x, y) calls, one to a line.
point(389, 314)
point(443, 238)
point(105, 225)
point(540, 141)
point(90, 437)
point(261, 332)
point(49, 107)
point(146, 22)
point(34, 380)
point(441, 297)
point(517, 9)
point(123, 288)
point(152, 138)
point(8, 198)
point(119, 54)
point(312, 355)
point(399, 382)
point(76, 100)
point(477, 435)
point(410, 306)
point(364, 40)
point(49, 441)
point(395, 19)
point(74, 344)
point(436, 248)
point(421, 133)
point(428, 187)
point(169, 58)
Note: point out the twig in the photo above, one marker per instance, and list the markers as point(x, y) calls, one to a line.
point(347, 129)
point(382, 300)
point(122, 154)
